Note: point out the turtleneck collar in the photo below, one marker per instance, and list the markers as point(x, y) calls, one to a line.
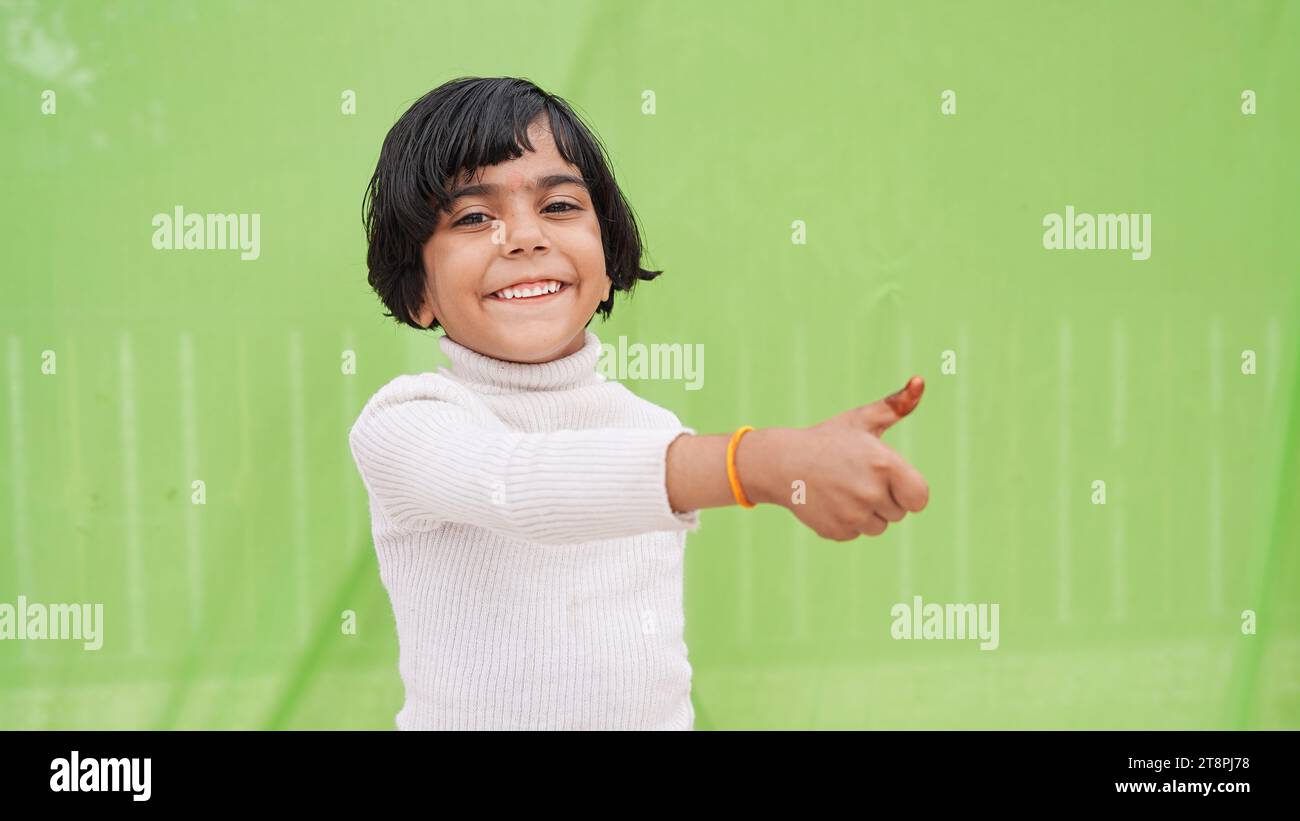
point(492, 375)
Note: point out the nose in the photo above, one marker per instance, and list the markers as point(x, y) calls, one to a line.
point(524, 235)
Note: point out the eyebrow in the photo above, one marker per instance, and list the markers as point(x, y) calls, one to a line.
point(491, 189)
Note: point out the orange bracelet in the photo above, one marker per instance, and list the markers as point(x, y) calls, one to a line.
point(736, 489)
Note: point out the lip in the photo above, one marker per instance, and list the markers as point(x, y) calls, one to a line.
point(530, 300)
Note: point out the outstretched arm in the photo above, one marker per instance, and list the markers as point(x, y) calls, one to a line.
point(426, 461)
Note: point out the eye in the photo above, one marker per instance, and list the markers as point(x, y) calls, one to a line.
point(565, 206)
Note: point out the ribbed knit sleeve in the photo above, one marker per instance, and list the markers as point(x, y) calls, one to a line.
point(428, 461)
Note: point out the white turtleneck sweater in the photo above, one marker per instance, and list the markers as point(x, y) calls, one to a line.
point(521, 520)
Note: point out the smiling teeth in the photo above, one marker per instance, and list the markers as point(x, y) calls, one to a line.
point(549, 287)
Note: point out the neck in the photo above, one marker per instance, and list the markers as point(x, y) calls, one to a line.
point(491, 375)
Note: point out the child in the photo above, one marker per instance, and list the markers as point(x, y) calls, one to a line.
point(530, 517)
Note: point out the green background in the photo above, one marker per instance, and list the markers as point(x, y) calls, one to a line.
point(924, 235)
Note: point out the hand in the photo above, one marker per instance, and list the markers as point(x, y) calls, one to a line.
point(854, 484)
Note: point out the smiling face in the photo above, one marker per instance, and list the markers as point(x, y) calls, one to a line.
point(529, 223)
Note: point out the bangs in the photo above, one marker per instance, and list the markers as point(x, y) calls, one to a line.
point(477, 135)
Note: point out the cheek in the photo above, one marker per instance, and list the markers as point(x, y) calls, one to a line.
point(589, 250)
point(450, 267)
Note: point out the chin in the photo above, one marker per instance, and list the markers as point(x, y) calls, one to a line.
point(537, 346)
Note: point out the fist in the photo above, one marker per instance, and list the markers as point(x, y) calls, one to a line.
point(855, 483)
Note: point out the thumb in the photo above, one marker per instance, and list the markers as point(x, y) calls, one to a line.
point(879, 416)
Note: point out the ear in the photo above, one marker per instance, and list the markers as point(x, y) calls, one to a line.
point(428, 307)
point(609, 287)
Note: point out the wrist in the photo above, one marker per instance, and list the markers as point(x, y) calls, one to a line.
point(760, 465)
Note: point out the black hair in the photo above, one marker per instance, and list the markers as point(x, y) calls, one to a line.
point(454, 130)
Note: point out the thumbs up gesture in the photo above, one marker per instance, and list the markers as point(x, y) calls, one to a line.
point(855, 484)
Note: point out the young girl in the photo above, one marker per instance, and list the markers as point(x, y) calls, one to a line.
point(530, 517)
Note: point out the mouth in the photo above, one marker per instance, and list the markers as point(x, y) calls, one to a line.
point(533, 292)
